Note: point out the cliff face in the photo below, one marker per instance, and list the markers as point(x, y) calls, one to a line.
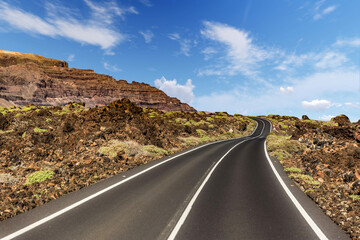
point(28, 78)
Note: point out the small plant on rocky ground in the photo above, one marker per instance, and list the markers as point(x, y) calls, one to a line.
point(355, 197)
point(48, 120)
point(7, 131)
point(23, 135)
point(200, 132)
point(282, 147)
point(151, 150)
point(116, 148)
point(40, 130)
point(39, 176)
point(25, 109)
point(292, 170)
point(308, 179)
point(113, 150)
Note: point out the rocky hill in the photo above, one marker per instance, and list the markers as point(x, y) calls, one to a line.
point(29, 78)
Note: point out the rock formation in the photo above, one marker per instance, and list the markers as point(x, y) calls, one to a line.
point(29, 78)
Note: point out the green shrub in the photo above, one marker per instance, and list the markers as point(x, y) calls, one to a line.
point(284, 143)
point(40, 130)
point(355, 197)
point(153, 151)
point(25, 109)
point(48, 120)
point(7, 131)
point(308, 179)
point(191, 141)
point(39, 176)
point(280, 154)
point(200, 132)
point(209, 119)
point(205, 139)
point(114, 150)
point(292, 170)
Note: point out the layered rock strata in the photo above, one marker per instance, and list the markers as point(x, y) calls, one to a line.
point(29, 78)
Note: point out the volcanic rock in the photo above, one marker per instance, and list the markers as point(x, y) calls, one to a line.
point(305, 117)
point(341, 120)
point(29, 78)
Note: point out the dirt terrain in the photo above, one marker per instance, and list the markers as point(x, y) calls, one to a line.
point(47, 152)
point(323, 158)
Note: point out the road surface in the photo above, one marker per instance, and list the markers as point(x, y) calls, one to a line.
point(225, 190)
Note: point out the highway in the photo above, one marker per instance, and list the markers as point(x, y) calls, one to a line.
point(224, 190)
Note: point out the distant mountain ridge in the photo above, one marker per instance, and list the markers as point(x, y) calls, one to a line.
point(29, 78)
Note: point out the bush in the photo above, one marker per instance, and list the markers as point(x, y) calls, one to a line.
point(283, 142)
point(39, 176)
point(40, 130)
point(114, 150)
point(153, 151)
point(200, 132)
point(191, 141)
point(293, 170)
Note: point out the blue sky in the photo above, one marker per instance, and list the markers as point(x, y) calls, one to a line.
point(287, 57)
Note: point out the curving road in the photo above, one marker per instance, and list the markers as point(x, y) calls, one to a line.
point(224, 190)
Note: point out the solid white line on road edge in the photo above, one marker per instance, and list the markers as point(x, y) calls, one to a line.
point(191, 203)
point(257, 124)
point(74, 205)
point(302, 211)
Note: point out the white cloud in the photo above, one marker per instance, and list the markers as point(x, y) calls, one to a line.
point(185, 44)
point(323, 60)
point(287, 90)
point(146, 3)
point(354, 105)
point(71, 57)
point(329, 9)
point(148, 35)
point(321, 12)
point(355, 42)
point(293, 60)
point(317, 105)
point(242, 54)
point(106, 11)
point(331, 60)
point(61, 22)
point(26, 21)
point(208, 52)
point(326, 117)
point(112, 68)
point(183, 92)
point(174, 36)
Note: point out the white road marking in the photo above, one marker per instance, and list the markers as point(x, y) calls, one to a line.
point(302, 211)
point(76, 204)
point(191, 203)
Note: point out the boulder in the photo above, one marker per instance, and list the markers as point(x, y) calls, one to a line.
point(342, 120)
point(305, 117)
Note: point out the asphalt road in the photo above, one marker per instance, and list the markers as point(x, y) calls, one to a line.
point(223, 190)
